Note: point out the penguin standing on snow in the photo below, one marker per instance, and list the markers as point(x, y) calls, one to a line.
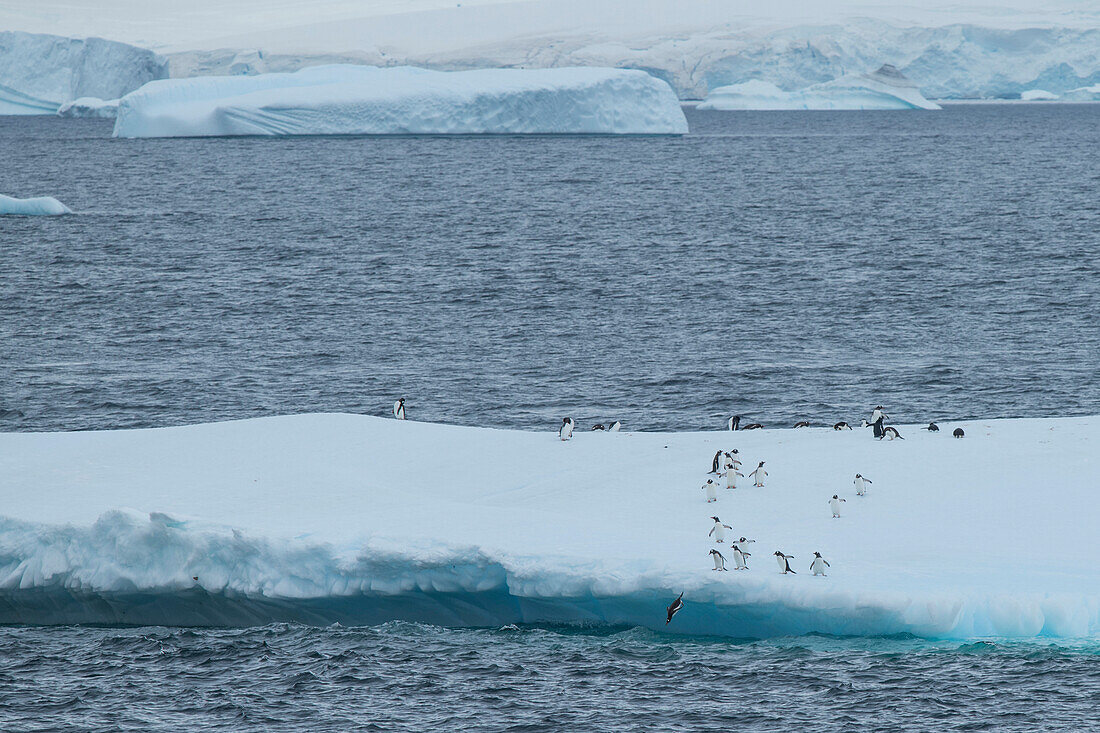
point(958, 433)
point(731, 477)
point(718, 530)
point(834, 504)
point(739, 555)
point(712, 490)
point(565, 432)
point(714, 462)
point(784, 565)
point(399, 409)
point(878, 417)
point(719, 560)
point(734, 422)
point(674, 608)
point(615, 427)
point(759, 474)
point(933, 427)
point(861, 484)
point(819, 564)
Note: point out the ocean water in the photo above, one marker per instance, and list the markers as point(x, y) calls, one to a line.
point(782, 266)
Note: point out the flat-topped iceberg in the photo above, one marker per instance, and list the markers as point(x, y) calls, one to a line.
point(323, 518)
point(1038, 95)
point(368, 100)
point(38, 72)
point(89, 107)
point(886, 88)
point(40, 206)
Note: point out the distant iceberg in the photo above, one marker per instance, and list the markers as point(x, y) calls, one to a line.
point(886, 88)
point(41, 206)
point(368, 100)
point(89, 107)
point(1038, 95)
point(1083, 94)
point(38, 73)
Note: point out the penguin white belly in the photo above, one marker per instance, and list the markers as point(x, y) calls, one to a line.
point(818, 566)
point(782, 561)
point(835, 505)
point(719, 563)
point(712, 495)
point(731, 478)
point(566, 431)
point(719, 533)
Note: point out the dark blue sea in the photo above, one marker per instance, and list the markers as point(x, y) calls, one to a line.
point(780, 266)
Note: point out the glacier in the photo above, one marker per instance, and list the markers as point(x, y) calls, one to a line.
point(347, 99)
point(40, 206)
point(89, 107)
point(886, 88)
point(39, 73)
point(358, 520)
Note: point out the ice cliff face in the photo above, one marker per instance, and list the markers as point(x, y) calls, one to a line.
point(39, 73)
point(344, 99)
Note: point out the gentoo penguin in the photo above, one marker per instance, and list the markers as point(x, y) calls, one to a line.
point(933, 427)
point(958, 433)
point(842, 426)
point(565, 432)
point(712, 490)
point(753, 426)
point(759, 474)
point(877, 419)
point(734, 422)
point(674, 608)
point(739, 556)
point(615, 427)
point(732, 475)
point(861, 484)
point(802, 424)
point(834, 504)
point(718, 530)
point(744, 542)
point(598, 426)
point(819, 564)
point(891, 433)
point(734, 458)
point(399, 409)
point(783, 564)
point(719, 560)
point(714, 462)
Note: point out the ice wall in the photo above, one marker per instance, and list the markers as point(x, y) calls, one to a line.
point(885, 89)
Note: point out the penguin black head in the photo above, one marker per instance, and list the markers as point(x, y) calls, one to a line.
point(761, 463)
point(835, 496)
point(817, 554)
point(859, 475)
point(778, 553)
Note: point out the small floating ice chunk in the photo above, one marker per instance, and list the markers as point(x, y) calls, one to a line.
point(41, 206)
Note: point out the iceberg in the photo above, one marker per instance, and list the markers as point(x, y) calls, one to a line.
point(886, 88)
point(38, 73)
point(368, 100)
point(359, 520)
point(1038, 95)
point(1083, 94)
point(89, 107)
point(41, 206)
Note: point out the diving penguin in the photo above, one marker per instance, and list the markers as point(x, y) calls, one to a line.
point(674, 608)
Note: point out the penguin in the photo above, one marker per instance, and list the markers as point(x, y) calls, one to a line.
point(733, 458)
point(733, 422)
point(719, 560)
point(598, 426)
point(565, 432)
point(743, 542)
point(933, 427)
point(819, 564)
point(615, 427)
point(714, 462)
point(842, 426)
point(712, 490)
point(958, 433)
point(834, 504)
point(731, 477)
point(878, 417)
point(861, 484)
point(739, 556)
point(674, 608)
point(759, 474)
point(802, 424)
point(753, 426)
point(718, 530)
point(783, 564)
point(891, 433)
point(399, 409)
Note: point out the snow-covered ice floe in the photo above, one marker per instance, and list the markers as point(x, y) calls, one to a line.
point(89, 107)
point(40, 206)
point(38, 73)
point(349, 99)
point(323, 518)
point(886, 88)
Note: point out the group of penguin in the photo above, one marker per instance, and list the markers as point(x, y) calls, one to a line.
point(725, 465)
point(878, 418)
point(565, 431)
